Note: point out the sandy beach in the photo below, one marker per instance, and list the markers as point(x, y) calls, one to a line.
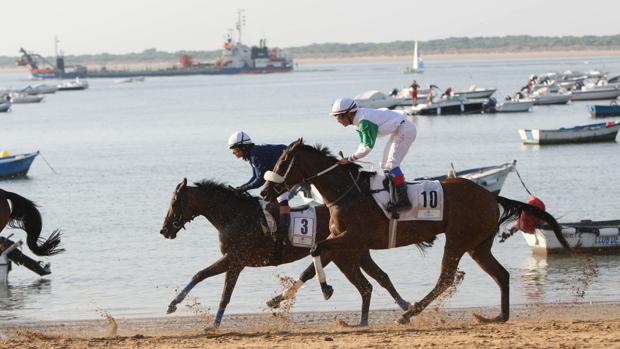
point(568, 325)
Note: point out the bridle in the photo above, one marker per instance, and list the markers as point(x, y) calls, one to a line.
point(279, 181)
point(177, 217)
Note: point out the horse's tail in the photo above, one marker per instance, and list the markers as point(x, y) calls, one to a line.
point(26, 216)
point(513, 208)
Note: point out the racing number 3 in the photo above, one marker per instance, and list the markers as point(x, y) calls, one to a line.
point(429, 198)
point(304, 226)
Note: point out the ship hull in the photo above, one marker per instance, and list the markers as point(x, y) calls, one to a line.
point(161, 72)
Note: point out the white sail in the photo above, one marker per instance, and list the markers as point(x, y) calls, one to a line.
point(415, 57)
point(418, 65)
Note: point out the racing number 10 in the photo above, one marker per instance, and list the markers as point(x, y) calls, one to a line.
point(431, 200)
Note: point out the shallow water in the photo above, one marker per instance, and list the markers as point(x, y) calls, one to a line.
point(120, 150)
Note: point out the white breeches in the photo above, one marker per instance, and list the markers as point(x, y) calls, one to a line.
point(398, 145)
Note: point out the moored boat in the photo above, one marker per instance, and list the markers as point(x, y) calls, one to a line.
point(600, 132)
point(5, 107)
point(603, 111)
point(16, 165)
point(475, 92)
point(20, 98)
point(514, 106)
point(74, 85)
point(592, 236)
point(596, 92)
point(491, 178)
point(375, 99)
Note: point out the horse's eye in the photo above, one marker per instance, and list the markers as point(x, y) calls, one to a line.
point(175, 224)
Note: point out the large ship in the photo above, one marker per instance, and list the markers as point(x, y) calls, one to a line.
point(235, 58)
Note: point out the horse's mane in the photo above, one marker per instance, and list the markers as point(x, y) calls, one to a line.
point(213, 185)
point(324, 150)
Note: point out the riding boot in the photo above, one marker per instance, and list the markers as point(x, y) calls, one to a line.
point(284, 223)
point(400, 197)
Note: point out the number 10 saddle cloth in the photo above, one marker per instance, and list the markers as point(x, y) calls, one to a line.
point(426, 199)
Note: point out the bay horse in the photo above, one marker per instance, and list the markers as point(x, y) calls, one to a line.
point(23, 214)
point(470, 222)
point(243, 243)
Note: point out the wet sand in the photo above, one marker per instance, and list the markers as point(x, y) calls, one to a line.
point(578, 325)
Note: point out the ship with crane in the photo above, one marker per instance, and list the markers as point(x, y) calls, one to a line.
point(235, 58)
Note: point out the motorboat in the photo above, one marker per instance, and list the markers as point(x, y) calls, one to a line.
point(451, 106)
point(403, 96)
point(491, 178)
point(375, 99)
point(600, 132)
point(39, 89)
point(73, 85)
point(585, 235)
point(595, 92)
point(16, 165)
point(603, 111)
point(475, 92)
point(514, 105)
point(544, 97)
point(21, 98)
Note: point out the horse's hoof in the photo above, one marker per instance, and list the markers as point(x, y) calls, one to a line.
point(483, 320)
point(403, 304)
point(328, 291)
point(403, 320)
point(363, 323)
point(212, 328)
point(274, 303)
point(171, 309)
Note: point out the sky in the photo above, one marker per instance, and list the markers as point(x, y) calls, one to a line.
point(123, 26)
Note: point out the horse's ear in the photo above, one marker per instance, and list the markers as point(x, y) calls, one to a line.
point(297, 143)
point(183, 183)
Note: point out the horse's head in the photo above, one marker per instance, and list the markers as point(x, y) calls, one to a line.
point(178, 214)
point(285, 174)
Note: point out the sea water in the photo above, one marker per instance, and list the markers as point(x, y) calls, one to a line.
point(119, 151)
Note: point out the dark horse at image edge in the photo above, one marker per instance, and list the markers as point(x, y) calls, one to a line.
point(470, 222)
point(237, 218)
point(21, 213)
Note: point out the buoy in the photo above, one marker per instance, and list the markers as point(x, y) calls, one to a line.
point(4, 154)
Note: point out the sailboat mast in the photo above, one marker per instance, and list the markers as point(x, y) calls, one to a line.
point(415, 56)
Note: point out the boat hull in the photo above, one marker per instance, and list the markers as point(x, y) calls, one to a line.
point(514, 107)
point(596, 94)
point(603, 111)
point(491, 178)
point(595, 237)
point(158, 73)
point(16, 165)
point(583, 134)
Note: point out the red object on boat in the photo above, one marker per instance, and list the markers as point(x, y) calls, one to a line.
point(186, 61)
point(527, 223)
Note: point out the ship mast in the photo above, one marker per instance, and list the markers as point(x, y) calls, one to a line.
point(240, 23)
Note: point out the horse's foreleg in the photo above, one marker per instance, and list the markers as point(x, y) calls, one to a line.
point(291, 291)
point(325, 250)
point(220, 266)
point(485, 259)
point(374, 271)
point(449, 265)
point(229, 285)
point(350, 267)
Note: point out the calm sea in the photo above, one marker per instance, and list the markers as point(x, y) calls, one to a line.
point(120, 149)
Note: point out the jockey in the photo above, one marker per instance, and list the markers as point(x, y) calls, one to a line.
point(262, 158)
point(373, 123)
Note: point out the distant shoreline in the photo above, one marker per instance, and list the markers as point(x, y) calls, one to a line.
point(375, 58)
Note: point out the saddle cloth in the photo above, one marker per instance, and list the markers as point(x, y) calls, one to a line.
point(426, 199)
point(302, 230)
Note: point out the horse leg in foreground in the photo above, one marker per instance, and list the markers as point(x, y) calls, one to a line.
point(449, 265)
point(223, 265)
point(485, 259)
point(367, 264)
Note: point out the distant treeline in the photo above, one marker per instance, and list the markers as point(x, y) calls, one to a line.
point(516, 43)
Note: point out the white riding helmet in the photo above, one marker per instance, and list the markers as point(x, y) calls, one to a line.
point(239, 138)
point(343, 106)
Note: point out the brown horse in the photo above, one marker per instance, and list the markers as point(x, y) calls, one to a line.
point(243, 243)
point(470, 222)
point(23, 214)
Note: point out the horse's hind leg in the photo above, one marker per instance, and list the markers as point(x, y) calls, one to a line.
point(350, 267)
point(291, 291)
point(449, 265)
point(374, 271)
point(485, 259)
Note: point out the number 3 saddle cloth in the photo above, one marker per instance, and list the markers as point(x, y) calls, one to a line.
point(426, 199)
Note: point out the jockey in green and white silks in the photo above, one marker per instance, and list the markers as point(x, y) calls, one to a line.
point(371, 124)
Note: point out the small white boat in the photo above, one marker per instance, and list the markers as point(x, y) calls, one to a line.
point(73, 85)
point(5, 107)
point(491, 178)
point(596, 92)
point(514, 106)
point(417, 67)
point(475, 92)
point(601, 236)
point(375, 99)
point(551, 98)
point(39, 89)
point(452, 106)
point(20, 98)
point(600, 132)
